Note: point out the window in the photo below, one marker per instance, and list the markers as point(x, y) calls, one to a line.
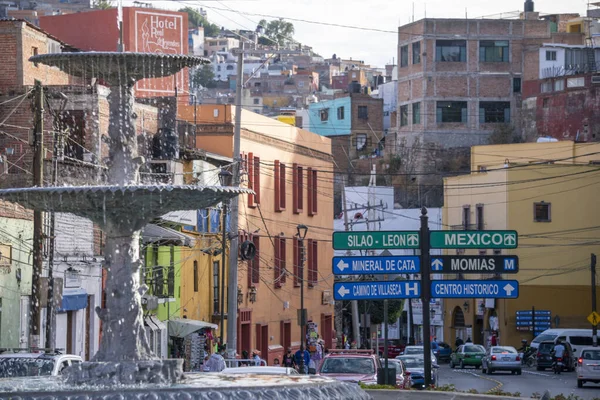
point(363, 112)
point(451, 50)
point(516, 85)
point(479, 215)
point(403, 56)
point(559, 85)
point(256, 101)
point(416, 113)
point(493, 51)
point(279, 186)
point(575, 82)
point(311, 178)
point(313, 259)
point(324, 114)
point(466, 217)
point(340, 113)
point(297, 188)
point(451, 111)
point(254, 264)
point(280, 257)
point(416, 53)
point(545, 102)
point(494, 111)
point(550, 55)
point(195, 276)
point(215, 286)
point(546, 87)
point(361, 141)
point(34, 52)
point(298, 269)
point(403, 115)
point(541, 212)
point(253, 166)
point(230, 68)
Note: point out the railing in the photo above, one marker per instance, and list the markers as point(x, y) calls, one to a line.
point(239, 362)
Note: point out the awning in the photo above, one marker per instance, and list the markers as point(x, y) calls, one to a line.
point(181, 327)
point(154, 233)
point(73, 299)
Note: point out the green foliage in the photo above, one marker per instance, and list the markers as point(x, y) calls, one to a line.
point(204, 77)
point(373, 387)
point(504, 134)
point(195, 19)
point(103, 4)
point(444, 388)
point(276, 31)
point(500, 392)
point(394, 310)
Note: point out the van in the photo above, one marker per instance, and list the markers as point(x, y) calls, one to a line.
point(578, 338)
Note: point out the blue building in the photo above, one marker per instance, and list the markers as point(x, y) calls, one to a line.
point(331, 117)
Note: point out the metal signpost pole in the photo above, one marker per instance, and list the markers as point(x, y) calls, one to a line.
point(595, 326)
point(426, 294)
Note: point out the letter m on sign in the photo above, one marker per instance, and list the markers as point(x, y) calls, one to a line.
point(509, 264)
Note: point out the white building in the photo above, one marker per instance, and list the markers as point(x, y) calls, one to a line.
point(220, 44)
point(389, 93)
point(196, 41)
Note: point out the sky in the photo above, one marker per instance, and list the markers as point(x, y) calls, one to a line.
point(375, 48)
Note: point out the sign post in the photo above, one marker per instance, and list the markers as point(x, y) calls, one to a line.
point(426, 296)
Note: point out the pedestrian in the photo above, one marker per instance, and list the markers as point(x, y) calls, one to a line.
point(216, 362)
point(288, 359)
point(298, 359)
point(276, 362)
point(469, 340)
point(459, 342)
point(494, 341)
point(245, 358)
point(256, 357)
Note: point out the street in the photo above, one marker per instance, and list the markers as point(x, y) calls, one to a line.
point(529, 383)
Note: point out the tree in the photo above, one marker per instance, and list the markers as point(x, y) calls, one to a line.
point(276, 31)
point(204, 76)
point(395, 307)
point(195, 19)
point(102, 4)
point(504, 134)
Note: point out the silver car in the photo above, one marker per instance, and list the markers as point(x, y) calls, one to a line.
point(501, 358)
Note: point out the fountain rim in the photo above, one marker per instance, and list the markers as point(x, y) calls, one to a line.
point(116, 54)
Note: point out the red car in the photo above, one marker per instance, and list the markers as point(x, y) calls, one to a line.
point(393, 351)
point(351, 366)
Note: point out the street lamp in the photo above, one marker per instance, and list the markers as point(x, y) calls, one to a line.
point(302, 230)
point(466, 306)
point(225, 177)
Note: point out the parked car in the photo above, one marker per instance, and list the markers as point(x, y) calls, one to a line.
point(402, 375)
point(415, 366)
point(351, 365)
point(444, 352)
point(418, 351)
point(393, 350)
point(467, 355)
point(501, 358)
point(35, 364)
point(544, 355)
point(588, 366)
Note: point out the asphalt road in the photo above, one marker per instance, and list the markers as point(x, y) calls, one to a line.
point(531, 382)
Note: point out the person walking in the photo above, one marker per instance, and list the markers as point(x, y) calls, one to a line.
point(216, 362)
point(288, 359)
point(298, 360)
point(256, 357)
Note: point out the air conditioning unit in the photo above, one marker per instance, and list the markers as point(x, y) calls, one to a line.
point(595, 78)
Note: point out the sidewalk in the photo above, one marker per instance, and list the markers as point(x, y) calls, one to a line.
point(429, 395)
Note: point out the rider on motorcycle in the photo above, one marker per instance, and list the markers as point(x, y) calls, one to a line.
point(524, 347)
point(558, 353)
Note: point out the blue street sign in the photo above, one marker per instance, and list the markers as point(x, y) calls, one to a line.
point(376, 290)
point(537, 312)
point(376, 265)
point(475, 289)
point(524, 323)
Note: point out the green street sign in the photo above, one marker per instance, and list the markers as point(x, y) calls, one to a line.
point(376, 240)
point(474, 239)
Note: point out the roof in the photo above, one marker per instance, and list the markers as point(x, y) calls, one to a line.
point(37, 28)
point(154, 233)
point(181, 327)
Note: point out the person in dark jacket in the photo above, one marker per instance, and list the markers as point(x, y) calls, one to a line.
point(458, 342)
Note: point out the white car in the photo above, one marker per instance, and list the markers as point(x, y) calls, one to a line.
point(35, 364)
point(588, 366)
point(418, 351)
point(260, 371)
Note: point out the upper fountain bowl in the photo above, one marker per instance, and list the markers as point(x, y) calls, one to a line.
point(118, 67)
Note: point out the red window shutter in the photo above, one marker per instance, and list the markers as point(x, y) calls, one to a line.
point(314, 264)
point(282, 194)
point(283, 259)
point(276, 185)
point(277, 252)
point(309, 190)
point(250, 168)
point(257, 180)
point(300, 184)
point(256, 260)
point(296, 263)
point(312, 191)
point(297, 189)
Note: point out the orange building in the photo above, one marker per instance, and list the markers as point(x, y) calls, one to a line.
point(289, 169)
point(144, 30)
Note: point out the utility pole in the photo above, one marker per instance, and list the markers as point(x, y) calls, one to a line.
point(595, 327)
point(223, 261)
point(426, 293)
point(354, 303)
point(232, 311)
point(38, 221)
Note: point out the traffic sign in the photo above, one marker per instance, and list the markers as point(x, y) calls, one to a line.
point(475, 264)
point(376, 290)
point(594, 318)
point(375, 240)
point(376, 265)
point(475, 289)
point(474, 239)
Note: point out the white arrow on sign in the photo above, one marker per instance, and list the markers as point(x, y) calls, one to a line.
point(342, 265)
point(413, 240)
point(437, 264)
point(343, 291)
point(509, 289)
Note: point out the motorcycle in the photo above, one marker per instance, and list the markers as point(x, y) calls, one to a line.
point(528, 357)
point(557, 365)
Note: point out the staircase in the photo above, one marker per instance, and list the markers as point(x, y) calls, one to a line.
point(590, 59)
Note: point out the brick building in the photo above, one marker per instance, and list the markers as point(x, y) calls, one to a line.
point(459, 79)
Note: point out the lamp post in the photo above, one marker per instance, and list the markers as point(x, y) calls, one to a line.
point(225, 177)
point(302, 230)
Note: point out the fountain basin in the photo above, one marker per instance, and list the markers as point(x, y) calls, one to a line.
point(209, 386)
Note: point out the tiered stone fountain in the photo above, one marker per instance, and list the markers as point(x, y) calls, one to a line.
point(125, 365)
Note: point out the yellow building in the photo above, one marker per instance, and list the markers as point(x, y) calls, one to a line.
point(290, 171)
point(548, 193)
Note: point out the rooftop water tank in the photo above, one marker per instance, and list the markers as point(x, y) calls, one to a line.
point(546, 139)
